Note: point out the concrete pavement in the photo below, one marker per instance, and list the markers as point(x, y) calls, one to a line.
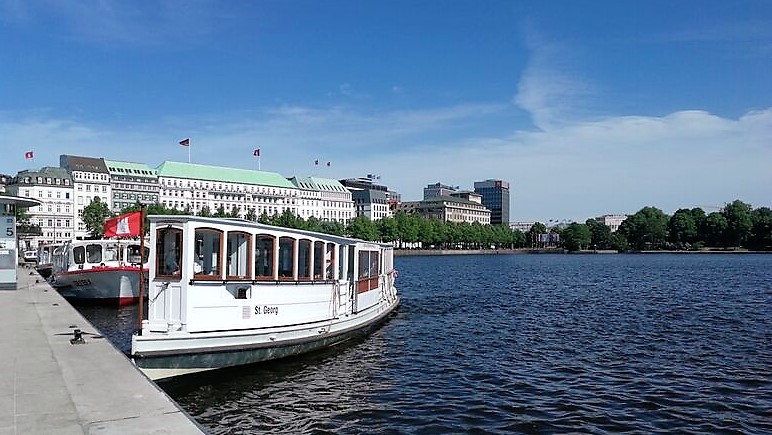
point(50, 386)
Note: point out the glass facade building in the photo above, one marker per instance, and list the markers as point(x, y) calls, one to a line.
point(495, 197)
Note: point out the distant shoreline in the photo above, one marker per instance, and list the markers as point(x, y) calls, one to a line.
point(431, 252)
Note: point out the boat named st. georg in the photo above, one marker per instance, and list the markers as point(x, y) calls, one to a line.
point(226, 292)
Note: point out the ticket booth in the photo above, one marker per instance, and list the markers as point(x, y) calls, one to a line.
point(9, 244)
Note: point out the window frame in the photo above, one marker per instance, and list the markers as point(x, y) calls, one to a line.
point(248, 272)
point(220, 257)
point(272, 259)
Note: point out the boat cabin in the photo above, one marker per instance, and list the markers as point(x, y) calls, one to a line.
point(210, 274)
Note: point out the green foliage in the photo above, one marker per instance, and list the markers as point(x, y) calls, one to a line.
point(738, 223)
point(94, 216)
point(251, 214)
point(363, 228)
point(600, 234)
point(682, 228)
point(646, 229)
point(761, 231)
point(534, 234)
point(576, 237)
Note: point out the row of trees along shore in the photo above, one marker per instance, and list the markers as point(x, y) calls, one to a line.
point(736, 225)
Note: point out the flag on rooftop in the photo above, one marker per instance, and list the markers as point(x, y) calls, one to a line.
point(185, 142)
point(29, 155)
point(256, 153)
point(329, 164)
point(316, 162)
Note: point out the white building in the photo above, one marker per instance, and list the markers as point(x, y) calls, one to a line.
point(90, 179)
point(53, 188)
point(612, 221)
point(323, 198)
point(187, 186)
point(370, 200)
point(132, 183)
point(448, 209)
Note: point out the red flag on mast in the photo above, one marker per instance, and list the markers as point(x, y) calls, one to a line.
point(29, 155)
point(125, 225)
point(185, 142)
point(256, 153)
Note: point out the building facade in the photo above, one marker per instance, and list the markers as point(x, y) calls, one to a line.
point(612, 221)
point(324, 199)
point(90, 180)
point(371, 200)
point(448, 209)
point(192, 187)
point(495, 197)
point(131, 183)
point(53, 187)
point(438, 189)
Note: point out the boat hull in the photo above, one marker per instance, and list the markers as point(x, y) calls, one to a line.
point(104, 286)
point(217, 350)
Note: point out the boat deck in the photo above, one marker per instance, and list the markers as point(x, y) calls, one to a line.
point(49, 385)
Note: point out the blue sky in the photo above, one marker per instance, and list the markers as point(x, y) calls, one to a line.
point(585, 107)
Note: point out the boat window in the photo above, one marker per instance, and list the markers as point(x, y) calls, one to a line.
point(238, 255)
point(304, 259)
point(286, 258)
point(329, 261)
point(111, 253)
point(79, 254)
point(319, 260)
point(168, 251)
point(264, 256)
point(94, 253)
point(206, 262)
point(133, 254)
point(368, 270)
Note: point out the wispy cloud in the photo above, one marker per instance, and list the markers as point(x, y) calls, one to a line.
point(117, 22)
point(550, 87)
point(575, 170)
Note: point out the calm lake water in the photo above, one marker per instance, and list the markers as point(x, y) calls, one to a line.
point(523, 344)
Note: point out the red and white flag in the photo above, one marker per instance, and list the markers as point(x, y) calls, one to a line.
point(185, 142)
point(125, 225)
point(29, 155)
point(329, 164)
point(256, 153)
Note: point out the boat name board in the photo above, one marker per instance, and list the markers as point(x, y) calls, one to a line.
point(266, 309)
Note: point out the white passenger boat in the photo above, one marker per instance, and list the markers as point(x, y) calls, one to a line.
point(225, 292)
point(104, 271)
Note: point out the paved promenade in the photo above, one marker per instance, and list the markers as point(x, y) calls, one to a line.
point(50, 386)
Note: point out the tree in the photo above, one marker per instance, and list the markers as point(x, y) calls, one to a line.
point(738, 223)
point(715, 226)
point(220, 213)
point(534, 234)
point(576, 237)
point(94, 216)
point(682, 228)
point(387, 228)
point(761, 232)
point(600, 234)
point(363, 228)
point(251, 214)
point(205, 211)
point(646, 229)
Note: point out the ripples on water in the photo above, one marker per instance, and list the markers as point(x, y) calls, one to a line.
point(529, 344)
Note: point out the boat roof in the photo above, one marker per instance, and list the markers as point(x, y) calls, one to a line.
point(257, 225)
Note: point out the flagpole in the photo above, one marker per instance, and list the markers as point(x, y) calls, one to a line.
point(140, 315)
point(190, 143)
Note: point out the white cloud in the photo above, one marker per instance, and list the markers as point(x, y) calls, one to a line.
point(572, 171)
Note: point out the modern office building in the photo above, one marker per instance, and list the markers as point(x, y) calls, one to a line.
point(90, 179)
point(324, 199)
point(132, 183)
point(193, 187)
point(495, 197)
point(54, 216)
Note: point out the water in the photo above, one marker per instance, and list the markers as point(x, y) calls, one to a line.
point(527, 344)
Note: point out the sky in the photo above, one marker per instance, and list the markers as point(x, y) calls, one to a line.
point(585, 107)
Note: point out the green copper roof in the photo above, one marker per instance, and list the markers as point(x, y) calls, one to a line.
point(218, 173)
point(130, 168)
